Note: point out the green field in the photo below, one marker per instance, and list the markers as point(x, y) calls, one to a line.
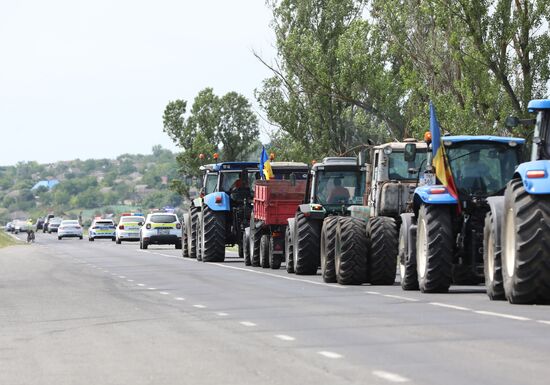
point(6, 240)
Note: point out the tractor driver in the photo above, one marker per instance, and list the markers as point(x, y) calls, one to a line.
point(338, 193)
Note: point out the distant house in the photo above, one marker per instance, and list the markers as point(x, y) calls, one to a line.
point(49, 184)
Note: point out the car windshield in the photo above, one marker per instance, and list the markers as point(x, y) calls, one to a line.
point(340, 187)
point(163, 218)
point(482, 168)
point(131, 219)
point(398, 167)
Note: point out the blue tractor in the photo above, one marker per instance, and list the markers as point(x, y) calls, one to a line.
point(517, 229)
point(224, 211)
point(441, 242)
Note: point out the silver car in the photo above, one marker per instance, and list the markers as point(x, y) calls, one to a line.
point(69, 228)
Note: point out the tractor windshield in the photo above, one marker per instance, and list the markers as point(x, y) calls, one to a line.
point(231, 180)
point(400, 169)
point(340, 187)
point(482, 168)
point(210, 183)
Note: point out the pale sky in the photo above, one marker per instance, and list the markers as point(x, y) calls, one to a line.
point(90, 78)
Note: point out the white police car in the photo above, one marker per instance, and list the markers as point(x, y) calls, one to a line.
point(102, 229)
point(160, 229)
point(128, 227)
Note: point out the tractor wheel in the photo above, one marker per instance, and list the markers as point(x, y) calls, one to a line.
point(198, 238)
point(434, 248)
point(264, 251)
point(254, 245)
point(328, 243)
point(185, 236)
point(350, 251)
point(246, 249)
point(213, 235)
point(275, 260)
point(407, 254)
point(382, 244)
point(526, 245)
point(289, 251)
point(492, 266)
point(192, 232)
point(306, 245)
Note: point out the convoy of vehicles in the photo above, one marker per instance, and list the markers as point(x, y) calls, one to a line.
point(160, 228)
point(69, 229)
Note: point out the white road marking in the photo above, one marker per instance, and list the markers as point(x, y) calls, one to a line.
point(130, 280)
point(388, 376)
point(277, 276)
point(141, 284)
point(247, 323)
point(152, 288)
point(164, 292)
point(222, 314)
point(449, 306)
point(284, 337)
point(121, 276)
point(179, 298)
point(544, 322)
point(330, 354)
point(399, 297)
point(373, 292)
point(199, 306)
point(509, 316)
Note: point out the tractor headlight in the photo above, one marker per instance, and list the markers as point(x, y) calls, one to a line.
point(388, 150)
point(512, 144)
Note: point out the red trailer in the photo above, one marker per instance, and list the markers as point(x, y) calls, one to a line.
point(275, 201)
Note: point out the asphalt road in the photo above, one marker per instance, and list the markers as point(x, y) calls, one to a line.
point(77, 312)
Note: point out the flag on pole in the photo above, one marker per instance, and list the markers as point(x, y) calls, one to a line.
point(439, 160)
point(265, 166)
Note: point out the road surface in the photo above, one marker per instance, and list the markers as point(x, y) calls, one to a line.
point(77, 312)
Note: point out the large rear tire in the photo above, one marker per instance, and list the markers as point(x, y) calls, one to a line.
point(185, 236)
point(492, 266)
point(289, 251)
point(526, 245)
point(407, 253)
point(382, 243)
point(213, 235)
point(350, 254)
point(264, 251)
point(198, 238)
point(254, 246)
point(307, 233)
point(246, 248)
point(328, 244)
point(275, 260)
point(434, 248)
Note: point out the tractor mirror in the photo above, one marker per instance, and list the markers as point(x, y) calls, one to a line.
point(362, 157)
point(511, 122)
point(410, 152)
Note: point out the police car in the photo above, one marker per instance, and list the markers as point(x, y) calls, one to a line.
point(102, 229)
point(128, 227)
point(160, 228)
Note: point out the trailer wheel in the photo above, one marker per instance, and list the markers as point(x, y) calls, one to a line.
point(526, 245)
point(382, 246)
point(246, 248)
point(434, 248)
point(192, 232)
point(306, 244)
point(264, 251)
point(213, 235)
point(275, 260)
point(254, 244)
point(407, 254)
point(328, 243)
point(350, 251)
point(289, 251)
point(492, 266)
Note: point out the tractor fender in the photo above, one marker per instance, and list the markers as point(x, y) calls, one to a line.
point(197, 202)
point(423, 195)
point(496, 205)
point(314, 211)
point(537, 186)
point(218, 201)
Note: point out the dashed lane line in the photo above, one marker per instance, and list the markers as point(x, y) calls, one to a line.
point(247, 323)
point(284, 337)
point(501, 315)
point(449, 306)
point(332, 355)
point(179, 298)
point(141, 284)
point(391, 377)
point(152, 288)
point(400, 297)
point(544, 322)
point(222, 314)
point(199, 306)
point(164, 292)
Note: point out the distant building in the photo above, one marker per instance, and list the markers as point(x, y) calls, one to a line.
point(49, 184)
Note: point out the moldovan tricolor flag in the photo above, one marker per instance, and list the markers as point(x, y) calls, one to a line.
point(439, 160)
